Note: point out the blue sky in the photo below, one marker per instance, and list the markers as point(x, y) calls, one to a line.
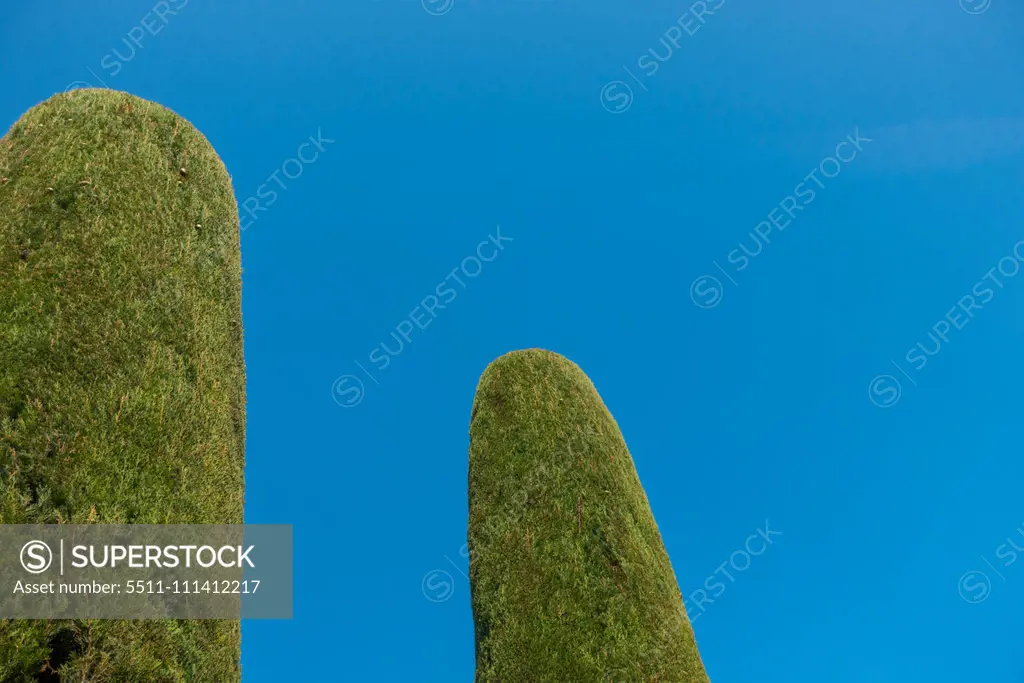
point(787, 393)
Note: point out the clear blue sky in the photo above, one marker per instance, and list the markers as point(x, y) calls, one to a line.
point(449, 120)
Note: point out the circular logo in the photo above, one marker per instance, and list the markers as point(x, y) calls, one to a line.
point(707, 291)
point(36, 557)
point(438, 7)
point(616, 97)
point(347, 391)
point(975, 587)
point(975, 6)
point(885, 391)
point(437, 585)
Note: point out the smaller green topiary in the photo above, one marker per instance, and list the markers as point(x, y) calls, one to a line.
point(569, 576)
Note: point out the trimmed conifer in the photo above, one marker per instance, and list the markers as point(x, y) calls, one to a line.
point(122, 380)
point(569, 576)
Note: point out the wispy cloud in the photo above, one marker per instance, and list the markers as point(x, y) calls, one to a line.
point(945, 145)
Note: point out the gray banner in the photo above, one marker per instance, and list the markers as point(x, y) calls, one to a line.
point(146, 571)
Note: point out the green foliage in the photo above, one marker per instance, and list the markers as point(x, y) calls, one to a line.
point(570, 578)
point(122, 381)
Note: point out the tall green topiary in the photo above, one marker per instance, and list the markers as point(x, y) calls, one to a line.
point(122, 381)
point(570, 579)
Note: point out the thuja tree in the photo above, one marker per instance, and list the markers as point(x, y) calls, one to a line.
point(122, 383)
point(570, 579)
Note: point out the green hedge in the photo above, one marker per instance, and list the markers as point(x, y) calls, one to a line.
point(570, 579)
point(122, 381)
